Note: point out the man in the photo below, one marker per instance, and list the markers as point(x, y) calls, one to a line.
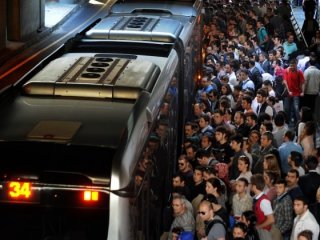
point(280, 128)
point(213, 230)
point(252, 121)
point(294, 81)
point(289, 46)
point(179, 181)
point(282, 206)
point(266, 147)
point(310, 182)
point(241, 200)
point(262, 207)
point(246, 82)
point(292, 179)
point(239, 122)
point(304, 219)
point(263, 106)
point(312, 85)
point(185, 168)
point(236, 142)
point(286, 148)
point(182, 216)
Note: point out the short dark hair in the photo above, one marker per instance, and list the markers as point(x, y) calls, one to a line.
point(302, 199)
point(311, 162)
point(281, 181)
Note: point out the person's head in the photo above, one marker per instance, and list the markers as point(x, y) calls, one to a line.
point(218, 115)
point(295, 159)
point(178, 180)
point(209, 172)
point(205, 210)
point(241, 185)
point(204, 121)
point(183, 163)
point(257, 183)
point(305, 235)
point(254, 137)
point(236, 142)
point(300, 205)
point(206, 141)
point(261, 95)
point(198, 175)
point(189, 129)
point(279, 120)
point(293, 65)
point(203, 156)
point(266, 139)
point(239, 118)
point(306, 114)
point(266, 126)
point(270, 177)
point(221, 134)
point(251, 119)
point(243, 164)
point(311, 162)
point(214, 186)
point(280, 186)
point(309, 128)
point(176, 231)
point(289, 136)
point(240, 230)
point(178, 205)
point(249, 218)
point(292, 178)
point(191, 151)
point(270, 162)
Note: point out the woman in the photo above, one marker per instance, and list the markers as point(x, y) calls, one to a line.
point(270, 163)
point(244, 168)
point(214, 187)
point(306, 139)
point(305, 116)
point(250, 220)
point(240, 230)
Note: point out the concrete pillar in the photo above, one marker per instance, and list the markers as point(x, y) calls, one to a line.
point(25, 17)
point(3, 24)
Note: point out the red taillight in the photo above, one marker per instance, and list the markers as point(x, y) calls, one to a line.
point(90, 196)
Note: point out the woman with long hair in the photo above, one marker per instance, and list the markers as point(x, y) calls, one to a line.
point(250, 220)
point(306, 139)
point(215, 187)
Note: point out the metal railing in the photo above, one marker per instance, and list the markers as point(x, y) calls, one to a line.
point(297, 30)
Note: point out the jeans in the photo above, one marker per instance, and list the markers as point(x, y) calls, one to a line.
point(291, 106)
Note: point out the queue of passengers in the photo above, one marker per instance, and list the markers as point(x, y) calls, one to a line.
point(250, 166)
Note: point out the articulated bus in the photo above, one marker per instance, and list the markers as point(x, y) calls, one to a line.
point(90, 136)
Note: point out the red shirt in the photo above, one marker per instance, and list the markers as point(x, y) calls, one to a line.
point(294, 80)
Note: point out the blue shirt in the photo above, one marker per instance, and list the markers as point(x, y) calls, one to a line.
point(284, 151)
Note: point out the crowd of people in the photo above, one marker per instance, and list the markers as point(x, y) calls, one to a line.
point(250, 164)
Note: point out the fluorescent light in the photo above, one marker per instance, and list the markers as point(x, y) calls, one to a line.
point(95, 2)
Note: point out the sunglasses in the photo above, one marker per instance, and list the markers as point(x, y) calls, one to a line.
point(202, 213)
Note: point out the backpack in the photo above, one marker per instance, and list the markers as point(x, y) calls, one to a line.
point(214, 221)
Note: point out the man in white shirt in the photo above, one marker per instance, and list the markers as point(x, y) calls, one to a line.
point(304, 219)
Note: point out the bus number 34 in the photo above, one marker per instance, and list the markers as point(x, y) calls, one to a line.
point(19, 189)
